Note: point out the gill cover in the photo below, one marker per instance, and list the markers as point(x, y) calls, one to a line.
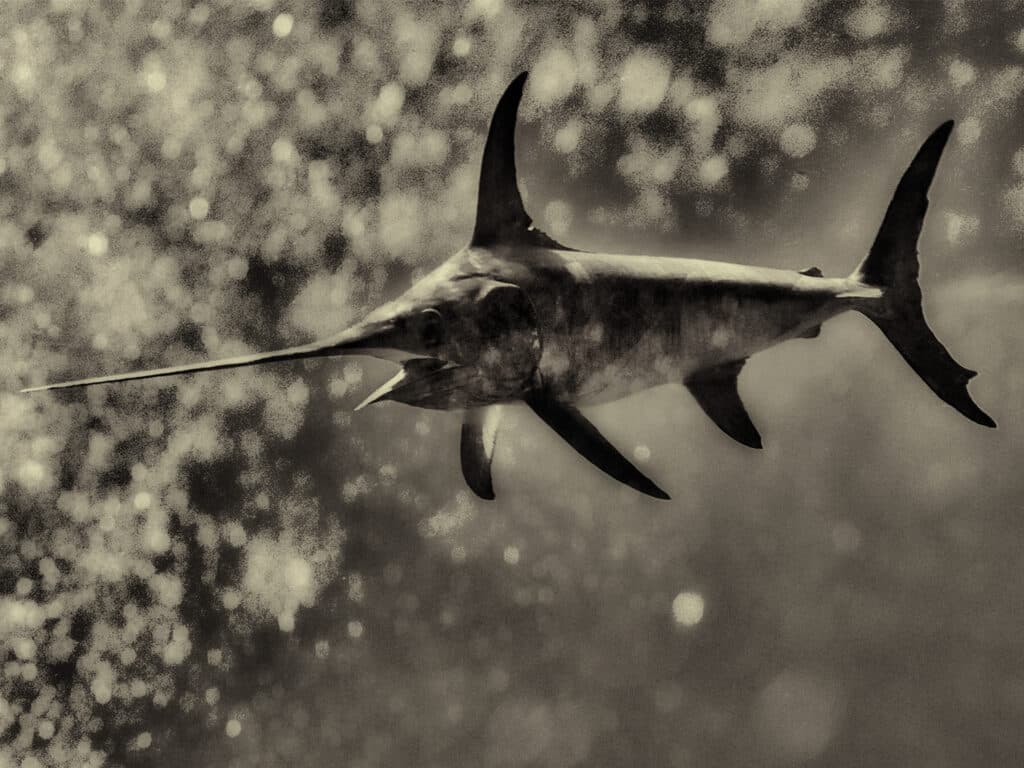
point(492, 353)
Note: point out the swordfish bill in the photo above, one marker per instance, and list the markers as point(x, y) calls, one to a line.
point(515, 317)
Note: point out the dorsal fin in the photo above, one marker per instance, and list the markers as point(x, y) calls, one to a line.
point(812, 272)
point(500, 215)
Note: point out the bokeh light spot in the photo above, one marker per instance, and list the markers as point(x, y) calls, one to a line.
point(712, 170)
point(798, 140)
point(797, 715)
point(283, 24)
point(688, 609)
point(644, 80)
point(461, 46)
point(198, 208)
point(961, 73)
point(869, 20)
point(97, 244)
point(567, 139)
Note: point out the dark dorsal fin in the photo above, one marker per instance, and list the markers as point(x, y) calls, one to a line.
point(573, 427)
point(716, 391)
point(812, 272)
point(500, 215)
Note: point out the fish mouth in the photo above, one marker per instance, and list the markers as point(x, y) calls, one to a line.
point(429, 383)
point(443, 385)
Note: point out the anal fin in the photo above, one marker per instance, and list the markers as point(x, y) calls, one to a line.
point(811, 333)
point(715, 390)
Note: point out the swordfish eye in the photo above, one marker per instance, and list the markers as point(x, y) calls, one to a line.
point(431, 328)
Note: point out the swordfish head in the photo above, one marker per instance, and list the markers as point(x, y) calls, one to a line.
point(463, 341)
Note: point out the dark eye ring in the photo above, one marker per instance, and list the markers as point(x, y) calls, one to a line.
point(431, 327)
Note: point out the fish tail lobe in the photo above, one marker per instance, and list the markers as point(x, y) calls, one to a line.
point(892, 266)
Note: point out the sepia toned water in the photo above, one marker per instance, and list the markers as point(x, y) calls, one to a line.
point(234, 569)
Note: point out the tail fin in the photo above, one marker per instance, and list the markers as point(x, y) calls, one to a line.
point(892, 265)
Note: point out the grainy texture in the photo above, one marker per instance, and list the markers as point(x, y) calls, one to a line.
point(234, 569)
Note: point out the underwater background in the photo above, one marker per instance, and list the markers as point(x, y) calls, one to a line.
point(235, 569)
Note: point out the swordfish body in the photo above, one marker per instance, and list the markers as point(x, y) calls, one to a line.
point(517, 317)
point(617, 324)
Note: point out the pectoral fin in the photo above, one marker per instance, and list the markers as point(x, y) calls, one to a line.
point(573, 427)
point(716, 391)
point(479, 433)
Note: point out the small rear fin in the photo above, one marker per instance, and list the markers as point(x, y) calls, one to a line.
point(812, 272)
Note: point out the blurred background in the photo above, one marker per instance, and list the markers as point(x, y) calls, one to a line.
point(235, 569)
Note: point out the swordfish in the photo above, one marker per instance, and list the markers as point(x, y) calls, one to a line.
point(516, 317)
